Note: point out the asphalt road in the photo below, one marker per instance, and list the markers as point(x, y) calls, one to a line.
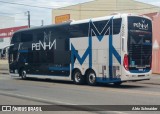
point(39, 91)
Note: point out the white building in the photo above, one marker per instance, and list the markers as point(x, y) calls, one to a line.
point(5, 22)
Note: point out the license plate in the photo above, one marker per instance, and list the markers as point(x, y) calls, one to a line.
point(140, 69)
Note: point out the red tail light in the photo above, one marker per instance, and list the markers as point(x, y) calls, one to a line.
point(125, 62)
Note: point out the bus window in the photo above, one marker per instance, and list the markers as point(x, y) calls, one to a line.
point(40, 36)
point(30, 57)
point(26, 37)
point(15, 38)
point(42, 56)
point(117, 25)
point(35, 57)
point(50, 56)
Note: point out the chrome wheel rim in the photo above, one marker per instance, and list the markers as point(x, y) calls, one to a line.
point(24, 74)
point(92, 78)
point(78, 77)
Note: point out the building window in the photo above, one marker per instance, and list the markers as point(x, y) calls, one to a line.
point(1, 39)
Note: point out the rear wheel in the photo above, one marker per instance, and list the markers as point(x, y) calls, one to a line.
point(23, 74)
point(91, 78)
point(78, 78)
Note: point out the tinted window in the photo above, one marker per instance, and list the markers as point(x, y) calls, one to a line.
point(139, 23)
point(40, 36)
point(26, 37)
point(117, 25)
point(81, 30)
point(50, 56)
point(15, 38)
point(35, 57)
point(42, 56)
point(139, 42)
point(30, 57)
point(100, 25)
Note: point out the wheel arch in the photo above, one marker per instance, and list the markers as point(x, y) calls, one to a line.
point(73, 72)
point(90, 69)
point(20, 69)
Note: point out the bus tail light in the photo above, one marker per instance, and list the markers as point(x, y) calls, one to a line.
point(125, 62)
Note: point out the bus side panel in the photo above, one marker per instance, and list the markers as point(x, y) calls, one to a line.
point(81, 45)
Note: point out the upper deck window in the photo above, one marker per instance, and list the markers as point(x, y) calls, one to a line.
point(26, 37)
point(15, 38)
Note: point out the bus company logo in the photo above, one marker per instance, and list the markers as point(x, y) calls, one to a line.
point(141, 25)
point(45, 43)
point(6, 108)
point(21, 108)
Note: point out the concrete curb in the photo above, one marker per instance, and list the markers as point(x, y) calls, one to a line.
point(2, 71)
point(3, 62)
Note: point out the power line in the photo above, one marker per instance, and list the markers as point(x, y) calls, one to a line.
point(11, 13)
point(25, 5)
point(14, 19)
point(74, 9)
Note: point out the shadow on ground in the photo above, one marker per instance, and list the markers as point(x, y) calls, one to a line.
point(125, 85)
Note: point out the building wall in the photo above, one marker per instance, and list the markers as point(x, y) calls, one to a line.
point(155, 16)
point(99, 8)
point(5, 22)
point(156, 37)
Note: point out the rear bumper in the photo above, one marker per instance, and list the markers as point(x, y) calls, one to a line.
point(136, 76)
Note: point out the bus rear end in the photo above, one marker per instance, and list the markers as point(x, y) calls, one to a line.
point(138, 57)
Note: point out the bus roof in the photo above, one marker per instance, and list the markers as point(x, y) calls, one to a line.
point(117, 15)
point(42, 27)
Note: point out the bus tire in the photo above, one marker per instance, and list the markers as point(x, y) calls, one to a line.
point(23, 74)
point(91, 78)
point(78, 78)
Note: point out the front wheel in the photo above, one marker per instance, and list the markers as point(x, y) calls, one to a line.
point(91, 78)
point(23, 74)
point(78, 78)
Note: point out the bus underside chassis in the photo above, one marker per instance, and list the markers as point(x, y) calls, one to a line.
point(89, 77)
point(77, 77)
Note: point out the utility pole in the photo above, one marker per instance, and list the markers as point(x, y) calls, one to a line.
point(28, 14)
point(42, 22)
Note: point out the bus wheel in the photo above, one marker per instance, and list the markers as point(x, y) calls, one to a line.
point(117, 83)
point(23, 74)
point(91, 78)
point(78, 77)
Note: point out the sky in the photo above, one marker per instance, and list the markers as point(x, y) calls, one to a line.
point(18, 12)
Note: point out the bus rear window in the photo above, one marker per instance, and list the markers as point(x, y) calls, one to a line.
point(139, 24)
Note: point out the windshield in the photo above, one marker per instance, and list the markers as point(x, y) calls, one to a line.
point(139, 42)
